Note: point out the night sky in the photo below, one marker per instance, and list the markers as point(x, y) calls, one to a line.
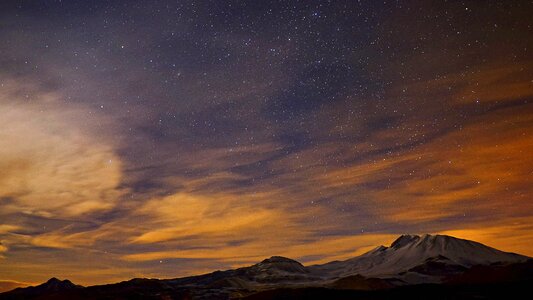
point(170, 138)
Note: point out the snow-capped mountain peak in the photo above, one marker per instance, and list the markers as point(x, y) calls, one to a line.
point(404, 240)
point(414, 252)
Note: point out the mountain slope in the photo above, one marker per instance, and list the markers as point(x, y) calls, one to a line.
point(417, 259)
point(274, 270)
point(48, 289)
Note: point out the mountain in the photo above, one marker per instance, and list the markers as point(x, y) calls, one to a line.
point(443, 262)
point(273, 272)
point(418, 259)
point(55, 285)
point(48, 289)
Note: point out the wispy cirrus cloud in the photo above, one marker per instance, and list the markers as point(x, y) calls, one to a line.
point(7, 285)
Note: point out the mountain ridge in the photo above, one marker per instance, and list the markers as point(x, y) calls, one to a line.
point(409, 260)
point(410, 251)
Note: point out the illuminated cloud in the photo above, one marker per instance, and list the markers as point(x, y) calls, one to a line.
point(50, 166)
point(7, 285)
point(235, 228)
point(253, 251)
point(498, 84)
point(209, 221)
point(513, 235)
point(5, 228)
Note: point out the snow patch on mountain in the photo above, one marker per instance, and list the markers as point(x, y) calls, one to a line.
point(411, 251)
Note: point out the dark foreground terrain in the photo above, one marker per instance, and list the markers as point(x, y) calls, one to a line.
point(515, 290)
point(152, 290)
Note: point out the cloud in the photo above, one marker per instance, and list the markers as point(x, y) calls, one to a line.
point(513, 234)
point(476, 170)
point(207, 220)
point(8, 285)
point(62, 240)
point(51, 166)
point(497, 83)
point(312, 252)
point(237, 228)
point(5, 228)
point(189, 215)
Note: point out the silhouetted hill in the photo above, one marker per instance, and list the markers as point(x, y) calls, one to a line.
point(47, 290)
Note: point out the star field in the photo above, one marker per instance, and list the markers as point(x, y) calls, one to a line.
point(167, 138)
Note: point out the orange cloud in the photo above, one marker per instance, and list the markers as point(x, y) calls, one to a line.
point(5, 228)
point(501, 83)
point(8, 285)
point(51, 166)
point(207, 220)
point(513, 234)
point(323, 249)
